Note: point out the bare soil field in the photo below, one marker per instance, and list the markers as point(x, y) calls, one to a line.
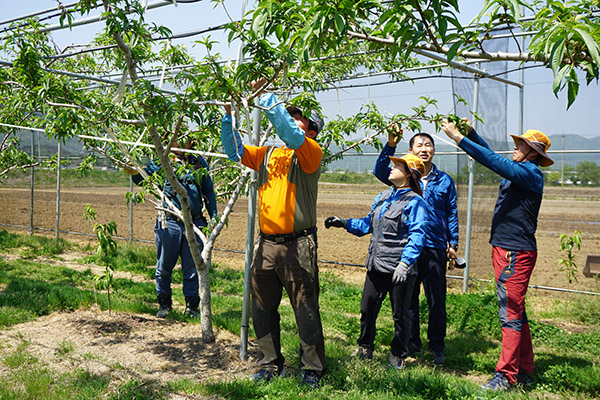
point(563, 211)
point(152, 350)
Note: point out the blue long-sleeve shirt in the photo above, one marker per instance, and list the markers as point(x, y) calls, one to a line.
point(439, 194)
point(285, 127)
point(519, 197)
point(197, 194)
point(414, 216)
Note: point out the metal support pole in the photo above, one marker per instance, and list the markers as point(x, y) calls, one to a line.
point(58, 191)
point(470, 194)
point(249, 245)
point(32, 184)
point(131, 211)
point(521, 100)
point(562, 164)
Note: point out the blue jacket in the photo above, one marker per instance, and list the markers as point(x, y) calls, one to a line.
point(519, 197)
point(439, 194)
point(411, 224)
point(197, 194)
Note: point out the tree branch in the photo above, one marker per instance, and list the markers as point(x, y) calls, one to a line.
point(498, 56)
point(425, 22)
point(14, 167)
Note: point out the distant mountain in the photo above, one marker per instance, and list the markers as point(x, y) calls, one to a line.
point(45, 147)
point(575, 142)
point(365, 163)
point(73, 148)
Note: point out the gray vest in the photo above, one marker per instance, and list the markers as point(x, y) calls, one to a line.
point(390, 234)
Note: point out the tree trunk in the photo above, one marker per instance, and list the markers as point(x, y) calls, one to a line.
point(208, 335)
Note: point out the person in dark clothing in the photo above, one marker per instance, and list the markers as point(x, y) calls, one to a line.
point(397, 223)
point(169, 231)
point(441, 241)
point(514, 248)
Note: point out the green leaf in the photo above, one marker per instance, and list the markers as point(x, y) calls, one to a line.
point(591, 44)
point(573, 89)
point(258, 25)
point(340, 24)
point(514, 9)
point(453, 50)
point(557, 85)
point(443, 27)
point(557, 54)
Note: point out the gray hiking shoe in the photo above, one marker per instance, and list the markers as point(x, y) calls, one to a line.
point(395, 362)
point(163, 311)
point(499, 382)
point(362, 353)
point(524, 379)
point(438, 358)
point(310, 379)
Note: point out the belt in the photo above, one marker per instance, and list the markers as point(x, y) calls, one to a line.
point(288, 237)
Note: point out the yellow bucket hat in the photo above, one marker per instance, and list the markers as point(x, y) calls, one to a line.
point(538, 142)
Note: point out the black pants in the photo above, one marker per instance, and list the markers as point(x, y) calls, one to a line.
point(377, 286)
point(432, 272)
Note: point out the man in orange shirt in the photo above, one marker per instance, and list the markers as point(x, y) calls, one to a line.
point(286, 249)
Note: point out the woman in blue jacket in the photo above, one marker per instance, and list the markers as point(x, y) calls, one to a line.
point(441, 241)
point(397, 223)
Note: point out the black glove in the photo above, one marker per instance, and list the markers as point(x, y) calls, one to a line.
point(335, 222)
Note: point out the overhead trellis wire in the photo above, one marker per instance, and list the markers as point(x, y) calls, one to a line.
point(172, 37)
point(109, 140)
point(98, 18)
point(35, 14)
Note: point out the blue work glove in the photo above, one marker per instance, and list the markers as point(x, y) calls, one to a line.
point(336, 222)
point(400, 274)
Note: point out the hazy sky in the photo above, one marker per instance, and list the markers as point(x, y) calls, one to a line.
point(541, 111)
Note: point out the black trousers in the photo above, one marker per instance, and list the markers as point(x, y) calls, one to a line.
point(432, 272)
point(377, 286)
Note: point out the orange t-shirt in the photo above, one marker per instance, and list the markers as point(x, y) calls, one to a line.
point(287, 179)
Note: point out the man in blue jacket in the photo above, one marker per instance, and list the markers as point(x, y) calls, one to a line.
point(440, 243)
point(514, 248)
point(169, 237)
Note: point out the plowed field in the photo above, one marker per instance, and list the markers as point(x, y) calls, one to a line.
point(563, 211)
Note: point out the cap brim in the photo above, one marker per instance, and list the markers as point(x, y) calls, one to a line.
point(293, 110)
point(414, 174)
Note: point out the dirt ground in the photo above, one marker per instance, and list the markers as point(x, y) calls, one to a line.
point(162, 350)
point(563, 211)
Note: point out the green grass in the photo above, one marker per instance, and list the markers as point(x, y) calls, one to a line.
point(31, 246)
point(349, 177)
point(567, 363)
point(135, 259)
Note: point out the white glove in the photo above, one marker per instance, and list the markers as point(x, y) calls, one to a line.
point(400, 274)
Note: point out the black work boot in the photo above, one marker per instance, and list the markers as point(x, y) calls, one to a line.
point(191, 306)
point(165, 304)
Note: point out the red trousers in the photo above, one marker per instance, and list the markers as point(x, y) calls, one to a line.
point(513, 270)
